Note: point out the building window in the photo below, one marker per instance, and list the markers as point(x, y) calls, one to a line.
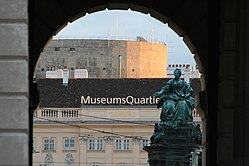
point(69, 144)
point(95, 144)
point(145, 143)
point(126, 144)
point(122, 144)
point(72, 49)
point(49, 144)
point(118, 144)
point(57, 48)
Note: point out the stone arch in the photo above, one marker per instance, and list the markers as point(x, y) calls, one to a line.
point(51, 17)
point(189, 19)
point(225, 64)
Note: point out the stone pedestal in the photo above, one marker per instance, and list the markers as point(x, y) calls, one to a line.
point(173, 147)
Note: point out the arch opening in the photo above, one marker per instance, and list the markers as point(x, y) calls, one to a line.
point(160, 17)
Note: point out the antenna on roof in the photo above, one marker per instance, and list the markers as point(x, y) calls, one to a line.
point(126, 33)
point(117, 27)
point(108, 37)
point(65, 76)
point(152, 38)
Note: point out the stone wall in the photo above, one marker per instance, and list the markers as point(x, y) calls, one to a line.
point(14, 85)
point(105, 59)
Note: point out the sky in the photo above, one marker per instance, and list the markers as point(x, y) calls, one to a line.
point(127, 24)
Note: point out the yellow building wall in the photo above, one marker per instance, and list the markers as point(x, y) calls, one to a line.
point(96, 123)
point(84, 157)
point(146, 60)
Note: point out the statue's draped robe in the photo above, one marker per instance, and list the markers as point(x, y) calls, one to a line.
point(177, 103)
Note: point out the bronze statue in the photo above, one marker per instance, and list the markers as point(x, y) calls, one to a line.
point(176, 102)
point(176, 135)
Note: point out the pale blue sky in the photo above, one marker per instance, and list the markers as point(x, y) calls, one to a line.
point(122, 24)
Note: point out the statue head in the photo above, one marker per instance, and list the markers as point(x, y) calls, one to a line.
point(177, 73)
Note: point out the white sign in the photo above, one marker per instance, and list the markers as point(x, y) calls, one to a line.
point(129, 100)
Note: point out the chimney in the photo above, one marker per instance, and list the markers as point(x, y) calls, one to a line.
point(59, 73)
point(80, 73)
point(65, 76)
point(186, 74)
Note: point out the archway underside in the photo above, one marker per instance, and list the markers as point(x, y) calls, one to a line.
point(189, 19)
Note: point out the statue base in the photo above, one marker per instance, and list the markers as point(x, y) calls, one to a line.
point(173, 147)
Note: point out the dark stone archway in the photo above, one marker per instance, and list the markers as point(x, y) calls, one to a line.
point(27, 25)
point(189, 19)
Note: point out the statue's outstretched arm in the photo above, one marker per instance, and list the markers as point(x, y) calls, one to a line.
point(164, 90)
point(158, 94)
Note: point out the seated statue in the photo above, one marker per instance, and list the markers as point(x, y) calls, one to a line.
point(176, 102)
